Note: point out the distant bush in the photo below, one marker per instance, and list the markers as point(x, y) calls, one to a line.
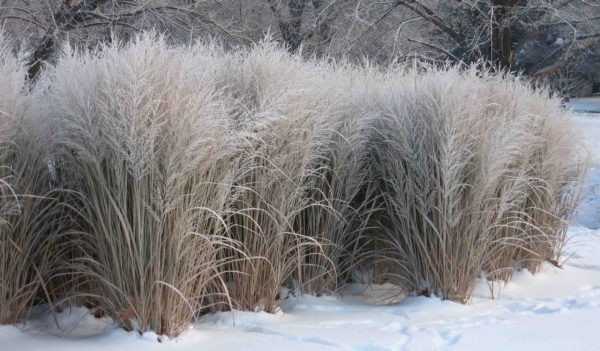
point(191, 179)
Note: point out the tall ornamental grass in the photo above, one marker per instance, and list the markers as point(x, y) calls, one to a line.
point(477, 175)
point(144, 144)
point(159, 183)
point(30, 212)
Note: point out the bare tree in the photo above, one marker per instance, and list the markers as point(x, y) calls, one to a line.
point(301, 20)
point(97, 20)
point(544, 39)
point(501, 31)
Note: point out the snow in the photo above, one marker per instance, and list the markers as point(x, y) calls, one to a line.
point(585, 104)
point(557, 309)
point(588, 126)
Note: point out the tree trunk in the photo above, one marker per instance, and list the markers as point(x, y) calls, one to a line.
point(291, 27)
point(502, 51)
point(66, 18)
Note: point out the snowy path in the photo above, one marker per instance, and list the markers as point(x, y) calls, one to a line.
point(588, 126)
point(553, 310)
point(586, 104)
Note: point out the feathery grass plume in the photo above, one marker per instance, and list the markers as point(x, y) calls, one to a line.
point(339, 179)
point(281, 126)
point(29, 213)
point(542, 169)
point(297, 178)
point(338, 203)
point(145, 145)
point(469, 179)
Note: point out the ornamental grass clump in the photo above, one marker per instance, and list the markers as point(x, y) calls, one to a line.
point(145, 146)
point(157, 183)
point(30, 214)
point(477, 175)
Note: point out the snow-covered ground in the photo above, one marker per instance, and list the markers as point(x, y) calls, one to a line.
point(588, 126)
point(557, 309)
point(586, 104)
